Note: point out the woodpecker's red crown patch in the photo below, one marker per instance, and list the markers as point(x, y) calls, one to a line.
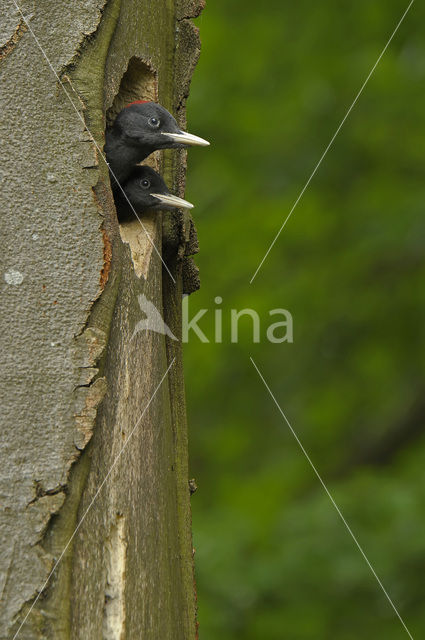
point(137, 102)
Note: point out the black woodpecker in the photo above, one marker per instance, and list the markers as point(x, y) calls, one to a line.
point(145, 189)
point(138, 130)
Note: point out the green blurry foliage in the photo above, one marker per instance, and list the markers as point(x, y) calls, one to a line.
point(273, 558)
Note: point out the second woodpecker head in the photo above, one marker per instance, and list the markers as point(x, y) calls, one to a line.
point(145, 190)
point(140, 129)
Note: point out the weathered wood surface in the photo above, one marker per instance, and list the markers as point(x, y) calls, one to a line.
point(75, 382)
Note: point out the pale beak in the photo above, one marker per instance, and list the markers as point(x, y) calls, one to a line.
point(172, 201)
point(187, 138)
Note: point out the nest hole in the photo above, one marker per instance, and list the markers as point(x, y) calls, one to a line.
point(139, 82)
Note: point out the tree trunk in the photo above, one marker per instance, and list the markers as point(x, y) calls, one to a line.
point(95, 515)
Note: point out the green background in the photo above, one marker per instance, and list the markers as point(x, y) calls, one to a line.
point(273, 559)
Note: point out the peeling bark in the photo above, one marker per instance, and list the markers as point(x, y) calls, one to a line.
point(8, 46)
point(77, 379)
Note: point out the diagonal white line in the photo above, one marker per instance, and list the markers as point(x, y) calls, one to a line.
point(330, 143)
point(90, 134)
point(319, 477)
point(93, 499)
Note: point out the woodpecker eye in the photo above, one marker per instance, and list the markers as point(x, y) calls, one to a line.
point(145, 184)
point(154, 122)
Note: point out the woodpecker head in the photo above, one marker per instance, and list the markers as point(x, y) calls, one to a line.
point(145, 189)
point(150, 126)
